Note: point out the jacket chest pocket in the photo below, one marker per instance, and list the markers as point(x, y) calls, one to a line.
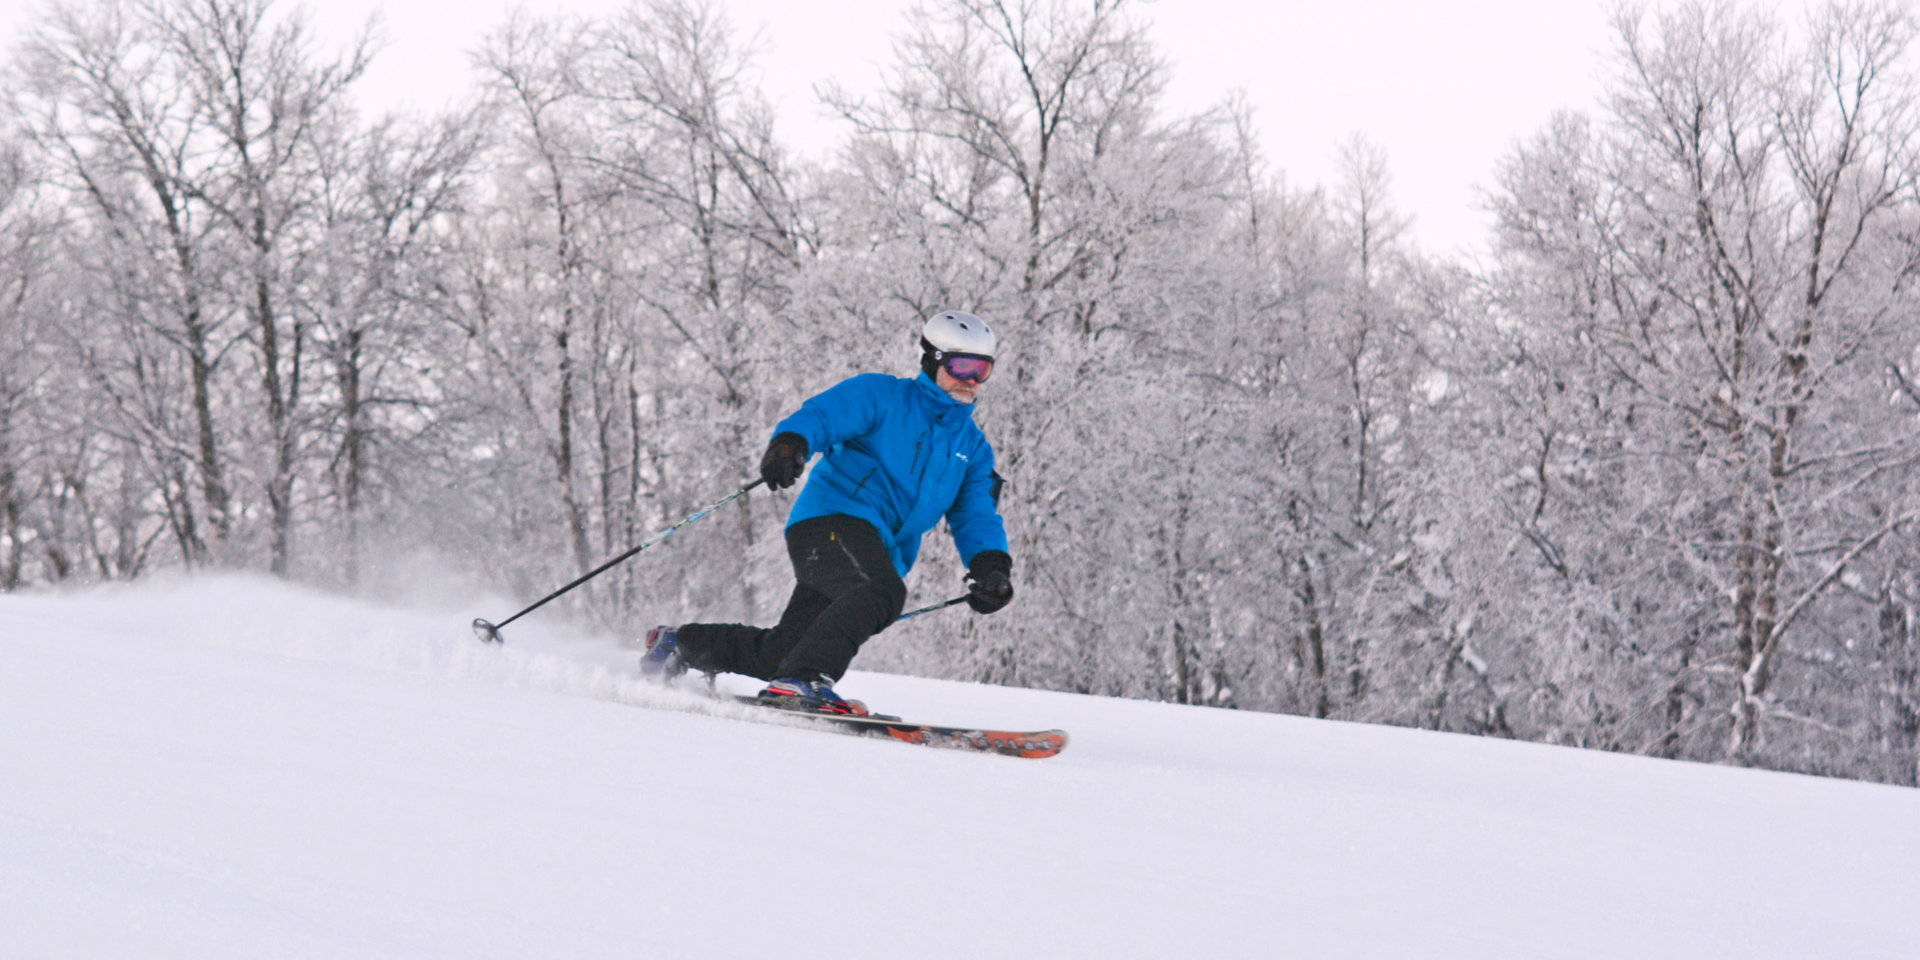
point(933, 462)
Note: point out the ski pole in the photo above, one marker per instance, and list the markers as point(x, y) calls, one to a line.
point(490, 632)
point(929, 608)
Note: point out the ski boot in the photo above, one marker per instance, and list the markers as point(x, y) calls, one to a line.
point(663, 660)
point(810, 696)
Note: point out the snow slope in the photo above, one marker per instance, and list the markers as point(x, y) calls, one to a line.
point(237, 768)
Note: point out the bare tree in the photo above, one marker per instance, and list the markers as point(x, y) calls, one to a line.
point(717, 228)
point(263, 99)
point(24, 366)
point(531, 68)
point(110, 109)
point(372, 294)
point(190, 129)
point(1740, 262)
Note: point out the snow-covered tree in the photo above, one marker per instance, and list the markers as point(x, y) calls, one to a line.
point(1702, 288)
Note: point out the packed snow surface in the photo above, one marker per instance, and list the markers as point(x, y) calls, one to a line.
point(238, 768)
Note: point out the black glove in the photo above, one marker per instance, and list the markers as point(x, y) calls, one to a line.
point(990, 581)
point(785, 460)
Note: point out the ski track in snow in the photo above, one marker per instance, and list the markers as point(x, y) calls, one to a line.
point(233, 767)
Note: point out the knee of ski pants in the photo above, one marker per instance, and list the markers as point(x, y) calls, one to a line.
point(892, 591)
point(881, 597)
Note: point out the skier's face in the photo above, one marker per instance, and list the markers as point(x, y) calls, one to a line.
point(963, 391)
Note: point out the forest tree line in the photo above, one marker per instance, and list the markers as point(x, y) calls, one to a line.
point(1643, 479)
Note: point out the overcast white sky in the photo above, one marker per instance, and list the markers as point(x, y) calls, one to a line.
point(1445, 87)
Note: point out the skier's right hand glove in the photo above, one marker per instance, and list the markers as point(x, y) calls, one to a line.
point(785, 460)
point(990, 581)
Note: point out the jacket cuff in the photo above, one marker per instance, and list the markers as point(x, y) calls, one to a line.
point(799, 443)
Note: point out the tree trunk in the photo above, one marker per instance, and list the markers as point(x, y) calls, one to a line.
point(563, 447)
point(213, 484)
point(1455, 643)
point(1312, 638)
point(352, 450)
point(281, 395)
point(1897, 716)
point(10, 561)
point(1182, 664)
point(1668, 745)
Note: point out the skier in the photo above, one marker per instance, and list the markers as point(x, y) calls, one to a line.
point(899, 454)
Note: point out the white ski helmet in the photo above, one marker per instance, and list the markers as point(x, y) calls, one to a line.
point(951, 332)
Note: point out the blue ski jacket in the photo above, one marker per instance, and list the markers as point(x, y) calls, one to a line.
point(899, 454)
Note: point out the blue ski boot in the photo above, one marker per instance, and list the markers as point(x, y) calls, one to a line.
point(811, 696)
point(663, 661)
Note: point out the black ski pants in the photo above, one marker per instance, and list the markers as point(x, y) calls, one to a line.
point(845, 591)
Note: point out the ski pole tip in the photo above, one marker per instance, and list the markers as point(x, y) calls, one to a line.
point(487, 632)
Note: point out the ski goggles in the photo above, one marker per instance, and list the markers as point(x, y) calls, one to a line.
point(967, 366)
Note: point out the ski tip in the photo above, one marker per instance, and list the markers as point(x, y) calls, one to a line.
point(1040, 746)
point(1031, 745)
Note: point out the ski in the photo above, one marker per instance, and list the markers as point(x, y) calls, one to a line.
point(1032, 744)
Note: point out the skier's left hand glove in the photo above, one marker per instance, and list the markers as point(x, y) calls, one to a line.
point(990, 581)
